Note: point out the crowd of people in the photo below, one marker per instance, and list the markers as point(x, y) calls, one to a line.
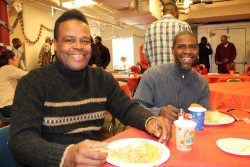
point(58, 109)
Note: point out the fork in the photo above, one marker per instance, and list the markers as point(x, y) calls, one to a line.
point(247, 120)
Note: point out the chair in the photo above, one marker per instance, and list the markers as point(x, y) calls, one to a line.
point(112, 125)
point(3, 118)
point(6, 159)
point(233, 80)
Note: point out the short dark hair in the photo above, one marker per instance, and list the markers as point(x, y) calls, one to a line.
point(5, 56)
point(169, 6)
point(99, 38)
point(183, 33)
point(72, 14)
point(203, 38)
point(15, 40)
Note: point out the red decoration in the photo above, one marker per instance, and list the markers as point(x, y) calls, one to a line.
point(135, 69)
point(123, 59)
point(20, 18)
point(231, 66)
point(248, 69)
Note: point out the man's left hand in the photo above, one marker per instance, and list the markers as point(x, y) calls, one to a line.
point(160, 127)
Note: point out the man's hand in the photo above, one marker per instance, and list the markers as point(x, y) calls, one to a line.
point(160, 127)
point(86, 154)
point(169, 112)
point(225, 61)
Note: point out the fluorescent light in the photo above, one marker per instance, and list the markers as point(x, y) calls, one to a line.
point(78, 3)
point(186, 4)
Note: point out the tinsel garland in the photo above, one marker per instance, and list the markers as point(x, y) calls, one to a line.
point(20, 18)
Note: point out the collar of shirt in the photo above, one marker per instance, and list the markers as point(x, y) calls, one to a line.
point(168, 16)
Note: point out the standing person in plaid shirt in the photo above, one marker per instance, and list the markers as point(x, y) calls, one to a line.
point(160, 34)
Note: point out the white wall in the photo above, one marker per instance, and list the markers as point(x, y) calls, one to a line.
point(238, 33)
point(34, 17)
point(109, 32)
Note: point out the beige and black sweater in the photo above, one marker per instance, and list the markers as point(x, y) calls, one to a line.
point(55, 107)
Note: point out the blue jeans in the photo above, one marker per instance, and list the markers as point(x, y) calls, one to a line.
point(6, 111)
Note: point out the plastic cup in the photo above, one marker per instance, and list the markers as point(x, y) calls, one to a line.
point(185, 130)
point(198, 115)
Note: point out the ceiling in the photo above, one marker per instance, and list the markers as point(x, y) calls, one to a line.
point(141, 13)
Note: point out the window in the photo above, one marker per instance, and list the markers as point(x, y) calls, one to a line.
point(123, 47)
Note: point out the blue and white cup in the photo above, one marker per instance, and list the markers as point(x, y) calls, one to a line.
point(198, 115)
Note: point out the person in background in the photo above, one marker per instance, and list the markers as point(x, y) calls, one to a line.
point(95, 60)
point(160, 34)
point(9, 76)
point(59, 109)
point(225, 53)
point(45, 52)
point(53, 58)
point(205, 50)
point(104, 51)
point(17, 43)
point(143, 60)
point(164, 89)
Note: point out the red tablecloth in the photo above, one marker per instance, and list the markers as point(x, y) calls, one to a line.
point(224, 77)
point(125, 87)
point(230, 95)
point(204, 152)
point(132, 80)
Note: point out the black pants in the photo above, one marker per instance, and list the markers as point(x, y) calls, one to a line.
point(223, 71)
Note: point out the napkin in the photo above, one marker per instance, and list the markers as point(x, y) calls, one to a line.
point(237, 114)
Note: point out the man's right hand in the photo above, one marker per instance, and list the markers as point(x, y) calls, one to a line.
point(86, 153)
point(217, 62)
point(169, 112)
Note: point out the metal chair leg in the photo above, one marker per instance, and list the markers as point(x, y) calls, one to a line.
point(112, 126)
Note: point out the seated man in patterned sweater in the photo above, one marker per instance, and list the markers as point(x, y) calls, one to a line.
point(59, 109)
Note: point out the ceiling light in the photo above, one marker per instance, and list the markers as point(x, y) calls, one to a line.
point(78, 3)
point(186, 4)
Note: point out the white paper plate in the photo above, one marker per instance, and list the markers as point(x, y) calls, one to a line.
point(213, 74)
point(226, 120)
point(235, 146)
point(163, 152)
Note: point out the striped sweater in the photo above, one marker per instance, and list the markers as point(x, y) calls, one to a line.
point(54, 107)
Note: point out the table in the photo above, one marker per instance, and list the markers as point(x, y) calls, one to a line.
point(204, 152)
point(214, 78)
point(132, 80)
point(230, 95)
point(125, 88)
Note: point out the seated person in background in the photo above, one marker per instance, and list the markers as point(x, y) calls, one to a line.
point(9, 76)
point(59, 109)
point(164, 89)
point(200, 68)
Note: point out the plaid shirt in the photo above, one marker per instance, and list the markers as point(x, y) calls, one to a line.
point(159, 39)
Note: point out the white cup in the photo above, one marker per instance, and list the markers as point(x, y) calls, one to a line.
point(185, 131)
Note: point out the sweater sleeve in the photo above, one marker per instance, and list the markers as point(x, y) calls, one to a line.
point(26, 142)
point(145, 93)
point(123, 108)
